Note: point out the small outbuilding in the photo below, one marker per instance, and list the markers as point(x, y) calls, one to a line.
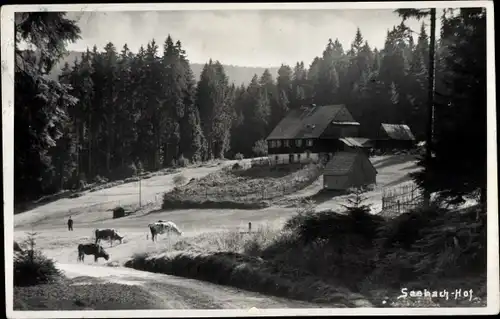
point(395, 137)
point(347, 170)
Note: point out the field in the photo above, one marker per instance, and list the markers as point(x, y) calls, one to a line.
point(242, 185)
point(205, 231)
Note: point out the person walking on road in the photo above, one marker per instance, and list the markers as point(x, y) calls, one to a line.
point(70, 224)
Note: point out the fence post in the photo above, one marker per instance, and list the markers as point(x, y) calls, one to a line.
point(399, 206)
point(249, 227)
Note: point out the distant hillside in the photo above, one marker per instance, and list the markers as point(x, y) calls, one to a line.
point(236, 74)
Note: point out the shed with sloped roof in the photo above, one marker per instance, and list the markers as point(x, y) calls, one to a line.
point(348, 170)
point(395, 137)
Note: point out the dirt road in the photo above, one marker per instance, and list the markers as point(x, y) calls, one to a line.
point(182, 293)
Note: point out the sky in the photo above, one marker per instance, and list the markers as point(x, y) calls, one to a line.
point(255, 38)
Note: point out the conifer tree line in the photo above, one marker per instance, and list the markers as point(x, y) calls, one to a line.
point(113, 112)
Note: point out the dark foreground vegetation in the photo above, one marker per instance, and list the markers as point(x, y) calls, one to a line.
point(365, 254)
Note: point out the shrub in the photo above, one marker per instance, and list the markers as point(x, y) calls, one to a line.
point(31, 267)
point(239, 156)
point(100, 180)
point(260, 148)
point(182, 161)
point(249, 273)
point(179, 179)
point(125, 171)
point(236, 166)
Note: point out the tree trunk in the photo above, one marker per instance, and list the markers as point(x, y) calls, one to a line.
point(77, 172)
point(430, 108)
point(108, 148)
point(89, 173)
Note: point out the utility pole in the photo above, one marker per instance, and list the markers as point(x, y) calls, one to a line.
point(430, 108)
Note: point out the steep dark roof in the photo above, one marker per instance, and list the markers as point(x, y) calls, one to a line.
point(306, 122)
point(343, 162)
point(398, 131)
point(355, 141)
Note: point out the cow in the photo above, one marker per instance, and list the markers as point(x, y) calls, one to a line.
point(162, 227)
point(92, 249)
point(109, 234)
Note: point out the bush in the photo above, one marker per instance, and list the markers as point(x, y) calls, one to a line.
point(100, 180)
point(260, 148)
point(173, 200)
point(125, 171)
point(236, 166)
point(182, 161)
point(179, 179)
point(239, 156)
point(31, 267)
point(249, 273)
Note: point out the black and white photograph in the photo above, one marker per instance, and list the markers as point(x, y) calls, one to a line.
point(253, 159)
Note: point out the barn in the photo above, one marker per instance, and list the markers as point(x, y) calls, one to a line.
point(347, 170)
point(395, 137)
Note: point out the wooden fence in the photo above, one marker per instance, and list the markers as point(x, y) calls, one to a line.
point(401, 199)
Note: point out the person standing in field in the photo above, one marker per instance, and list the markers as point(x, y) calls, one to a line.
point(70, 224)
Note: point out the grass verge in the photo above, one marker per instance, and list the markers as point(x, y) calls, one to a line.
point(83, 295)
point(249, 273)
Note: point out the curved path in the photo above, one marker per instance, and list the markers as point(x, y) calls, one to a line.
point(182, 293)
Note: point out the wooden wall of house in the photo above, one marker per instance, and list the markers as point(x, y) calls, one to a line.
point(318, 146)
point(335, 182)
point(390, 144)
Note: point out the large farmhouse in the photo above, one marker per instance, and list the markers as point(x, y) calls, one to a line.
point(311, 133)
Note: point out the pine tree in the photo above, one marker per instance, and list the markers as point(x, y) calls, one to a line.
point(40, 103)
point(284, 92)
point(461, 113)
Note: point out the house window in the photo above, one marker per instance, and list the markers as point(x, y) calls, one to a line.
point(290, 158)
point(308, 154)
point(298, 143)
point(286, 143)
point(298, 158)
point(278, 143)
point(309, 143)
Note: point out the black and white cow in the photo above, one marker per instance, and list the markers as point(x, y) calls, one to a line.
point(108, 234)
point(91, 249)
point(162, 227)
